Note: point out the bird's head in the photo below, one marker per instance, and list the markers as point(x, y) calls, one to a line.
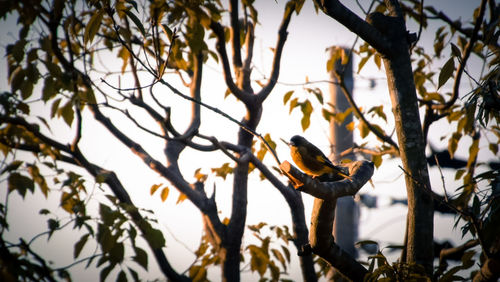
point(297, 140)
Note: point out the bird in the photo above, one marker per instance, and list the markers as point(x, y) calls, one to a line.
point(312, 161)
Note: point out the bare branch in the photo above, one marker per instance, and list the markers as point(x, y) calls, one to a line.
point(221, 49)
point(235, 34)
point(282, 35)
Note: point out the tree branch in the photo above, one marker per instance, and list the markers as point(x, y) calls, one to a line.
point(359, 171)
point(235, 34)
point(221, 49)
point(282, 35)
point(346, 17)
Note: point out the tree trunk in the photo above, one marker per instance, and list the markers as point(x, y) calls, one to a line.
point(420, 225)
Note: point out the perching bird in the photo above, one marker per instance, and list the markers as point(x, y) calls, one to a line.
point(312, 161)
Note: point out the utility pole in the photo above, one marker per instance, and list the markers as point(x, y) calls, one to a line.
point(345, 228)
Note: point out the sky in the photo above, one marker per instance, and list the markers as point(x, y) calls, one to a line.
point(304, 56)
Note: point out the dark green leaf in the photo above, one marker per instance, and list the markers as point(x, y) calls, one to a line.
point(68, 113)
point(93, 26)
point(79, 245)
point(105, 272)
point(20, 183)
point(12, 166)
point(122, 277)
point(134, 274)
point(44, 211)
point(136, 21)
point(141, 257)
point(117, 252)
point(455, 51)
point(446, 72)
point(133, 3)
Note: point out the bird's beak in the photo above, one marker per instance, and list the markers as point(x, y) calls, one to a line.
point(288, 144)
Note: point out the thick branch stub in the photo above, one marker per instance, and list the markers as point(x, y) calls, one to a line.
point(360, 172)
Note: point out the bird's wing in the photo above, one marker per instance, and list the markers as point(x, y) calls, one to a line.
point(323, 159)
point(318, 154)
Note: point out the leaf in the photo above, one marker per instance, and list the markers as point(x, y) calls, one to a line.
point(16, 78)
point(44, 211)
point(79, 245)
point(446, 72)
point(294, 103)
point(362, 62)
point(55, 107)
point(493, 148)
point(279, 256)
point(39, 179)
point(287, 96)
point(155, 238)
point(154, 188)
point(105, 272)
point(455, 51)
point(363, 129)
point(117, 252)
point(259, 260)
point(164, 194)
point(327, 115)
point(12, 166)
point(68, 113)
point(93, 26)
point(181, 198)
point(377, 160)
point(136, 21)
point(223, 171)
point(20, 183)
point(133, 3)
point(141, 257)
point(125, 55)
point(200, 177)
point(377, 60)
point(473, 151)
point(287, 253)
point(307, 109)
point(122, 277)
point(198, 273)
point(453, 143)
point(134, 274)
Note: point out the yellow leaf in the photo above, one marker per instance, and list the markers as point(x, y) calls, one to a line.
point(154, 188)
point(181, 198)
point(164, 194)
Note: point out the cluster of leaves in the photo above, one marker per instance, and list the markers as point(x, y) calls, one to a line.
point(380, 269)
point(265, 257)
point(111, 228)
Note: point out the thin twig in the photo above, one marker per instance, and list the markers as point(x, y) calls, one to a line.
point(360, 115)
point(465, 214)
point(442, 178)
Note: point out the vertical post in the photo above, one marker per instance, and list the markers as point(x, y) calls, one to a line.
point(345, 227)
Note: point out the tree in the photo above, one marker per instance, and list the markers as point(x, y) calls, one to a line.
point(164, 48)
